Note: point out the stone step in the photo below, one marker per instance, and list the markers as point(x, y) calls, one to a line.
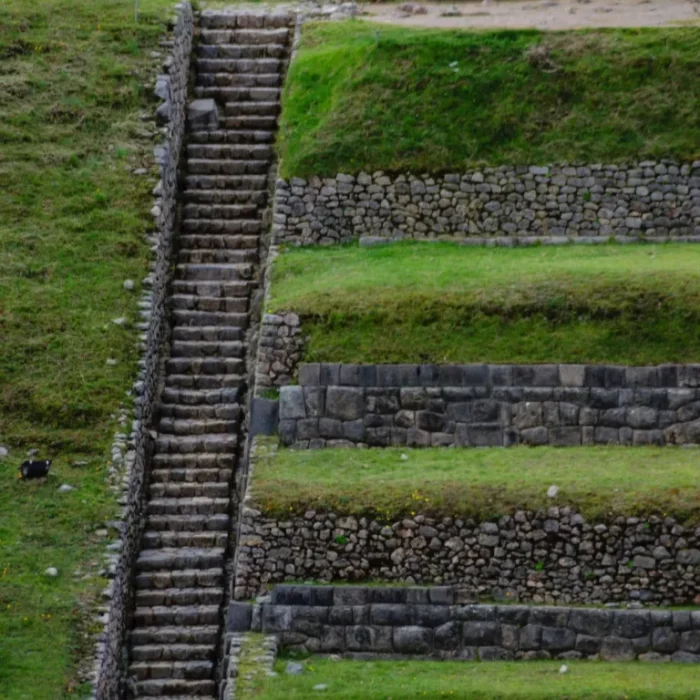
point(155, 539)
point(204, 634)
point(235, 242)
point(189, 490)
point(188, 506)
point(256, 37)
point(220, 211)
point(185, 615)
point(186, 317)
point(211, 397)
point(212, 19)
point(215, 273)
point(173, 652)
point(226, 182)
point(225, 410)
point(239, 51)
point(191, 476)
point(231, 151)
point(247, 80)
point(206, 365)
point(204, 382)
point(205, 256)
point(204, 166)
point(201, 348)
point(183, 578)
point(238, 94)
point(188, 302)
point(188, 523)
point(214, 443)
point(170, 687)
point(247, 66)
point(237, 288)
point(257, 197)
point(196, 427)
point(180, 558)
point(226, 227)
point(187, 670)
point(249, 121)
point(149, 597)
point(208, 333)
point(187, 697)
point(258, 109)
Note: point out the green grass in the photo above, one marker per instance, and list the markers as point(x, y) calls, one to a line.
point(75, 76)
point(599, 482)
point(435, 680)
point(367, 97)
point(439, 302)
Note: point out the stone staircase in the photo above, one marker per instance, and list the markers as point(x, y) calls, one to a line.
point(181, 571)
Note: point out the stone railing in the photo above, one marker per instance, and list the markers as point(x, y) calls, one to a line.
point(434, 622)
point(507, 205)
point(171, 88)
point(490, 405)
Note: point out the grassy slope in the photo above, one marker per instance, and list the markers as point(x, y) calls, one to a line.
point(483, 483)
point(437, 302)
point(72, 217)
point(367, 97)
point(407, 680)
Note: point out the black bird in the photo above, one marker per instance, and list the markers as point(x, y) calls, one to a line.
point(35, 469)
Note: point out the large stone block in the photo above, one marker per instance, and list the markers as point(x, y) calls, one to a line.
point(345, 403)
point(413, 640)
point(292, 404)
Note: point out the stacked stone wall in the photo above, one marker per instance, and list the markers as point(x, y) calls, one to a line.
point(171, 88)
point(649, 200)
point(490, 405)
point(391, 622)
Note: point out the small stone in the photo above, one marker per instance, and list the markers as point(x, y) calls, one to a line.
point(140, 171)
point(80, 463)
point(294, 668)
point(65, 488)
point(563, 668)
point(111, 362)
point(52, 571)
point(404, 456)
point(4, 451)
point(119, 321)
point(552, 491)
point(32, 453)
point(129, 285)
point(320, 686)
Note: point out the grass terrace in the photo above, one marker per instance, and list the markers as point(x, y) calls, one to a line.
point(441, 302)
point(367, 97)
point(407, 680)
point(75, 76)
point(600, 482)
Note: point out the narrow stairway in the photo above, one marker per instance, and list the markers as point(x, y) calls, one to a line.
point(180, 577)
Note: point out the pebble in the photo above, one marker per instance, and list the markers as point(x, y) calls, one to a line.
point(4, 451)
point(140, 171)
point(32, 453)
point(320, 686)
point(65, 488)
point(563, 668)
point(552, 491)
point(111, 362)
point(80, 463)
point(294, 668)
point(119, 321)
point(129, 285)
point(404, 456)
point(52, 571)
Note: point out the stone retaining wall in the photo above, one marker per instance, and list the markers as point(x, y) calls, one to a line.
point(171, 88)
point(280, 350)
point(546, 556)
point(490, 405)
point(584, 203)
point(432, 622)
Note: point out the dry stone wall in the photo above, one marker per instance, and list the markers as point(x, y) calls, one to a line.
point(490, 405)
point(507, 205)
point(546, 556)
point(382, 622)
point(171, 88)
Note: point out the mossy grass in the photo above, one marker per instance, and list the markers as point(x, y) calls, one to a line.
point(599, 482)
point(442, 302)
point(75, 76)
point(524, 680)
point(362, 96)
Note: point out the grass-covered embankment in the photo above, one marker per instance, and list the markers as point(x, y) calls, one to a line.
point(437, 680)
point(365, 97)
point(439, 302)
point(75, 76)
point(599, 482)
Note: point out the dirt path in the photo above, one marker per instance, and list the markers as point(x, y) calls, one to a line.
point(541, 14)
